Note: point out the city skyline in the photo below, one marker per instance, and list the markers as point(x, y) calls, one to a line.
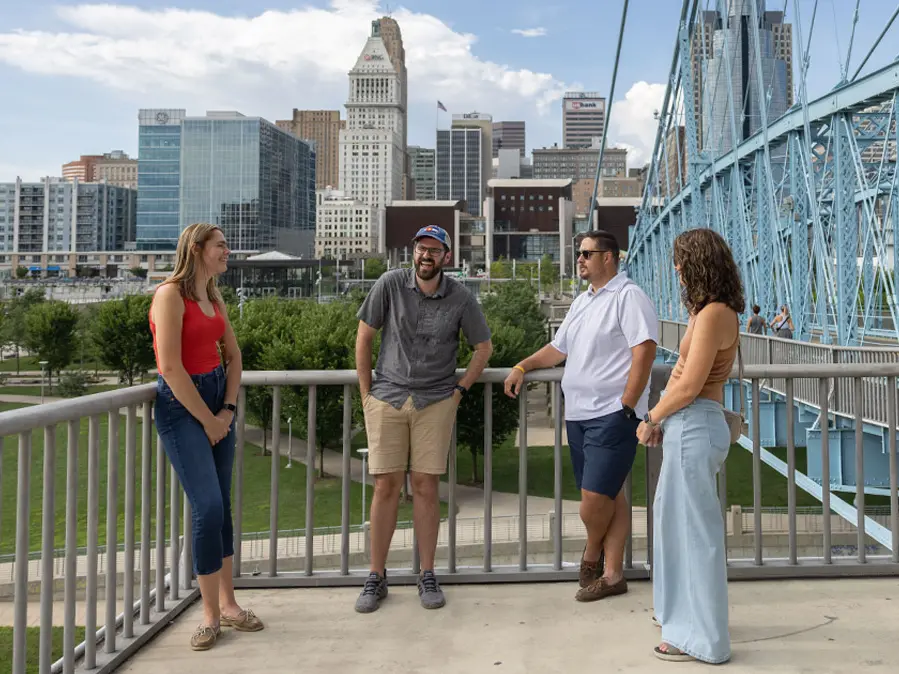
point(512, 60)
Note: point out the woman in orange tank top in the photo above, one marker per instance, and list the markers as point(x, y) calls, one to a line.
point(196, 398)
point(689, 564)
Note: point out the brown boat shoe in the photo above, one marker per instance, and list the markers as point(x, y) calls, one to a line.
point(204, 637)
point(590, 571)
point(600, 589)
point(245, 621)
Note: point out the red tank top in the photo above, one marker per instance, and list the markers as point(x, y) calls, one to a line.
point(199, 338)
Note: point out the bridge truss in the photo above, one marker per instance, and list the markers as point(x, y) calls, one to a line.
point(809, 202)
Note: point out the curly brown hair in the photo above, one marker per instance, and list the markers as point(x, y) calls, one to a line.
point(708, 271)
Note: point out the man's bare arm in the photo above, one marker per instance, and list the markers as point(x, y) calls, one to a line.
point(365, 338)
point(478, 362)
point(641, 368)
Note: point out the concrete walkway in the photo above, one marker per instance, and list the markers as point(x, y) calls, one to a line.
point(782, 627)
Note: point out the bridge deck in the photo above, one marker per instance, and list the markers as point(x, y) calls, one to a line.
point(786, 626)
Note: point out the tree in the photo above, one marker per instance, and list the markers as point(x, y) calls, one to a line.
point(50, 333)
point(501, 269)
point(140, 272)
point(322, 337)
point(14, 332)
point(122, 338)
point(21, 272)
point(518, 329)
point(549, 273)
point(374, 267)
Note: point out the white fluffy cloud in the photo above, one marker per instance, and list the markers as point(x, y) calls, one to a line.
point(530, 32)
point(632, 124)
point(272, 62)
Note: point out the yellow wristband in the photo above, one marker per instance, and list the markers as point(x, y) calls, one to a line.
point(518, 367)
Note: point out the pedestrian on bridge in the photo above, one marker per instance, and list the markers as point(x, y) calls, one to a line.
point(608, 340)
point(689, 564)
point(756, 324)
point(410, 408)
point(196, 398)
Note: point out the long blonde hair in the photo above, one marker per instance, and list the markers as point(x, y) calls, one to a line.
point(186, 260)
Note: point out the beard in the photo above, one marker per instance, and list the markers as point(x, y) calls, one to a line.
point(426, 273)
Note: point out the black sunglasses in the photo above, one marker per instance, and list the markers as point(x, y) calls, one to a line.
point(587, 254)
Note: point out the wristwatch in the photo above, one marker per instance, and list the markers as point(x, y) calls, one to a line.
point(648, 420)
point(628, 411)
point(461, 389)
point(230, 407)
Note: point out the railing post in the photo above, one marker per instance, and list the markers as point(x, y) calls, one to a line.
point(894, 469)
point(48, 532)
point(488, 477)
point(68, 639)
point(23, 504)
point(276, 465)
point(130, 453)
point(756, 472)
point(860, 468)
point(311, 441)
point(240, 435)
point(112, 527)
point(146, 477)
point(93, 517)
point(523, 479)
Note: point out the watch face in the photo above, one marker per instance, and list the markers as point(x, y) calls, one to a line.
point(162, 118)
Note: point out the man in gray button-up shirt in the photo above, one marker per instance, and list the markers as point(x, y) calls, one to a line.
point(410, 408)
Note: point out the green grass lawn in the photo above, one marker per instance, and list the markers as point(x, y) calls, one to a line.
point(257, 491)
point(32, 641)
point(50, 391)
point(31, 364)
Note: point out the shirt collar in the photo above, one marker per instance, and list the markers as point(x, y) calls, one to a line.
point(613, 286)
point(412, 283)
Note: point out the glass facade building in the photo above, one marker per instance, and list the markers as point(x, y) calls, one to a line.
point(159, 179)
point(459, 163)
point(244, 174)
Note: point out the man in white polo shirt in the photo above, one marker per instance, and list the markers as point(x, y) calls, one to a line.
point(608, 340)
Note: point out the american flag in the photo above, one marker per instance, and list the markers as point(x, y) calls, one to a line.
point(441, 106)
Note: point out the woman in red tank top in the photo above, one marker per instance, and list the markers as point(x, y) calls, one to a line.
point(196, 400)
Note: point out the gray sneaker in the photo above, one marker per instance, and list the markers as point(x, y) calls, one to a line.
point(374, 591)
point(429, 591)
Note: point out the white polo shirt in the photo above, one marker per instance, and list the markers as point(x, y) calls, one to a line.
point(596, 337)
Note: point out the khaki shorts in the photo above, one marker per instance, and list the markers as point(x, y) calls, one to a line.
point(393, 434)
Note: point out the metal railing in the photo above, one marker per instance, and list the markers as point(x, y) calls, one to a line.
point(764, 350)
point(164, 590)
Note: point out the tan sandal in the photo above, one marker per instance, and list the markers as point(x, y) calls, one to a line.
point(671, 654)
point(245, 621)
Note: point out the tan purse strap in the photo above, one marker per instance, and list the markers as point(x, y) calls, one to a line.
point(740, 373)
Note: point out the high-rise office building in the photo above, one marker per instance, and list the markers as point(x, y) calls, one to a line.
point(735, 33)
point(423, 160)
point(343, 226)
point(460, 167)
point(508, 136)
point(57, 215)
point(583, 118)
point(322, 129)
point(392, 37)
point(555, 163)
point(244, 174)
point(252, 179)
point(159, 178)
point(372, 152)
point(483, 123)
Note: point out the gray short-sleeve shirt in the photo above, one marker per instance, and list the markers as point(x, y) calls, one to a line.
point(420, 339)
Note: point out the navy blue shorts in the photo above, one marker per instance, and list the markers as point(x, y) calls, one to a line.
point(602, 452)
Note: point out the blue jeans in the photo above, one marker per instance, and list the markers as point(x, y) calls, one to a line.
point(689, 567)
point(203, 470)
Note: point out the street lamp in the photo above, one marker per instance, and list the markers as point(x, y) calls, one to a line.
point(43, 365)
point(364, 453)
point(289, 442)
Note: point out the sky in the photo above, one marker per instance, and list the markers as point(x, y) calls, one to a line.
point(73, 76)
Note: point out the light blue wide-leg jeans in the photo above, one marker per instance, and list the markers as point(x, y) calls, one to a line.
point(689, 565)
